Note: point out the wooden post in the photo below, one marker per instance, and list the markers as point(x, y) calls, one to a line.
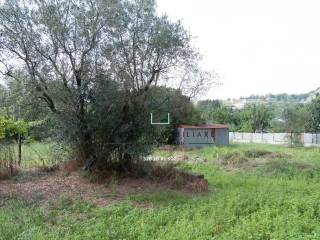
point(19, 143)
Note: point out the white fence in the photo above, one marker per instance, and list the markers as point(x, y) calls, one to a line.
point(308, 139)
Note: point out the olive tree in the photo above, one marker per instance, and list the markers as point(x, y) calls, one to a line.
point(72, 49)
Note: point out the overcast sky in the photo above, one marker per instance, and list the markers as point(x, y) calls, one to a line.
point(256, 46)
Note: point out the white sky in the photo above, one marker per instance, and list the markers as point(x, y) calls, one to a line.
point(256, 46)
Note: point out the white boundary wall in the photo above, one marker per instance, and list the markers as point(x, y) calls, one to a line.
point(308, 139)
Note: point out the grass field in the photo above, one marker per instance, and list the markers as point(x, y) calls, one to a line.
point(256, 192)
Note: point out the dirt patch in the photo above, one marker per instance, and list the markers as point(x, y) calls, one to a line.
point(56, 184)
point(40, 187)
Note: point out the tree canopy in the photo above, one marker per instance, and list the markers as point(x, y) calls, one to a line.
point(93, 62)
point(314, 119)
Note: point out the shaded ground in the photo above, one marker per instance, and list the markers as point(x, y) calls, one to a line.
point(42, 187)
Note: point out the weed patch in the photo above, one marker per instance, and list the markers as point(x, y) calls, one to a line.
point(290, 169)
point(265, 154)
point(249, 159)
point(233, 160)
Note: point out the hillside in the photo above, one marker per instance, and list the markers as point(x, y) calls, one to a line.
point(273, 98)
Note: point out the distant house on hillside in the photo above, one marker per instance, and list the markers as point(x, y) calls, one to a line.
point(203, 135)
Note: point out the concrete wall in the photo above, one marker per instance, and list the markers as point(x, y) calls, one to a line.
point(307, 139)
point(311, 139)
point(201, 137)
point(272, 138)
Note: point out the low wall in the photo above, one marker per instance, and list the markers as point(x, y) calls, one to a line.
point(308, 139)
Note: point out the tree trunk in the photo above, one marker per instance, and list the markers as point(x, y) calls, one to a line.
point(19, 149)
point(86, 140)
point(89, 151)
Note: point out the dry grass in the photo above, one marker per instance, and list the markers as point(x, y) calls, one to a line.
point(250, 159)
point(265, 154)
point(179, 179)
point(43, 184)
point(53, 185)
point(235, 159)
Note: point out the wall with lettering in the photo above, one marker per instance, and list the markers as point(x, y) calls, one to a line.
point(195, 136)
point(201, 137)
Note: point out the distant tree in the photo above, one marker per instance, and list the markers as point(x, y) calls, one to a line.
point(294, 120)
point(215, 111)
point(205, 105)
point(294, 117)
point(207, 108)
point(256, 117)
point(19, 103)
point(181, 108)
point(3, 100)
point(314, 119)
point(222, 115)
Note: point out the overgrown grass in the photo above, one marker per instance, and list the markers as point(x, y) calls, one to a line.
point(36, 154)
point(278, 199)
point(39, 154)
point(310, 154)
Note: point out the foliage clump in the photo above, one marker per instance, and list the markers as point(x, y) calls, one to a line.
point(10, 128)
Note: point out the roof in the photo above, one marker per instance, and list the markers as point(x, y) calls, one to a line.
point(204, 126)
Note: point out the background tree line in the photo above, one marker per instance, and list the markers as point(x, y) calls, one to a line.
point(264, 117)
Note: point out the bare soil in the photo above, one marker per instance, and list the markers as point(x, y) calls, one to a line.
point(42, 187)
